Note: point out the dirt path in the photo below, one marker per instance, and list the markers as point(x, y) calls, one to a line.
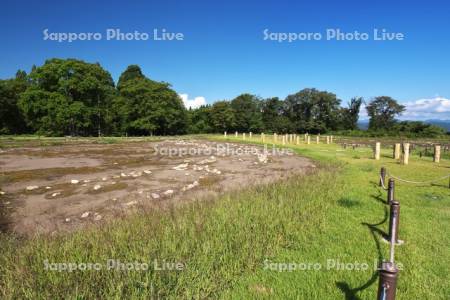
point(49, 189)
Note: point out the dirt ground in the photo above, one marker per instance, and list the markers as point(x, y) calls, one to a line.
point(62, 188)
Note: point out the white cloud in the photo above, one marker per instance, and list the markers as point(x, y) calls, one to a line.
point(437, 108)
point(192, 103)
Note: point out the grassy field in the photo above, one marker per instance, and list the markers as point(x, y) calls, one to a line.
point(336, 214)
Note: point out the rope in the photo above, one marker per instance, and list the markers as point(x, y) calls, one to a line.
point(382, 183)
point(418, 182)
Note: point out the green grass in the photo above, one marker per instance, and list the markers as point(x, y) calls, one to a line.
point(335, 213)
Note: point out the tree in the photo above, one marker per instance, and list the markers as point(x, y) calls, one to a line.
point(146, 107)
point(312, 111)
point(350, 115)
point(222, 116)
point(417, 129)
point(11, 119)
point(132, 72)
point(382, 112)
point(272, 112)
point(247, 113)
point(68, 96)
point(200, 120)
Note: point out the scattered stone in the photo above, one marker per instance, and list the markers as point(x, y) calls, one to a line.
point(2, 193)
point(168, 192)
point(104, 179)
point(97, 217)
point(67, 220)
point(187, 173)
point(32, 187)
point(74, 181)
point(262, 158)
point(181, 167)
point(116, 163)
point(48, 187)
point(85, 215)
point(123, 175)
point(86, 181)
point(197, 168)
point(131, 203)
point(147, 172)
point(56, 194)
point(84, 184)
point(155, 196)
point(208, 160)
point(138, 174)
point(114, 199)
point(215, 171)
point(97, 187)
point(195, 183)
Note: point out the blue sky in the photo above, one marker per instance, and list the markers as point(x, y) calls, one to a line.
point(224, 54)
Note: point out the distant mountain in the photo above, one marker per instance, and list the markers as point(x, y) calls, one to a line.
point(364, 124)
point(442, 123)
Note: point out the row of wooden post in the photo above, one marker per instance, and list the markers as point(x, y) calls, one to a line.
point(286, 138)
point(404, 155)
point(388, 271)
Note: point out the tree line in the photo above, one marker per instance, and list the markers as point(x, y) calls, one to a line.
point(72, 97)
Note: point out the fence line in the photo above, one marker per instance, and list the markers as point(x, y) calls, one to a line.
point(417, 182)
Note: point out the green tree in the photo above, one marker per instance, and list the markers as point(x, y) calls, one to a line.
point(417, 129)
point(382, 112)
point(313, 111)
point(11, 119)
point(200, 120)
point(272, 112)
point(132, 72)
point(222, 116)
point(247, 113)
point(79, 92)
point(350, 114)
point(146, 107)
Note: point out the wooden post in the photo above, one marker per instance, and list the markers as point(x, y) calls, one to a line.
point(274, 137)
point(331, 139)
point(317, 139)
point(297, 140)
point(377, 150)
point(263, 137)
point(243, 136)
point(328, 140)
point(225, 134)
point(397, 151)
point(284, 140)
point(437, 153)
point(250, 134)
point(236, 134)
point(405, 153)
point(306, 135)
point(308, 140)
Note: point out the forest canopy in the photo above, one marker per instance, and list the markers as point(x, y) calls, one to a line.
point(76, 98)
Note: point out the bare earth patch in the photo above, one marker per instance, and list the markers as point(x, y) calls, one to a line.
point(61, 188)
